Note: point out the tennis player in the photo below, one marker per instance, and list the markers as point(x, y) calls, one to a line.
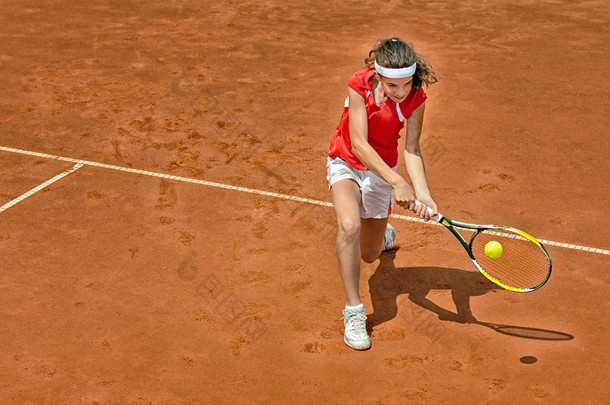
point(361, 165)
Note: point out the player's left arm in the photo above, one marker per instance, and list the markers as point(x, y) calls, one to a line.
point(415, 164)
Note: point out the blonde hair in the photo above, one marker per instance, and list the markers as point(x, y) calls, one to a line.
point(394, 53)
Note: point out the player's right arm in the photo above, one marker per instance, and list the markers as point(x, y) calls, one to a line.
point(358, 129)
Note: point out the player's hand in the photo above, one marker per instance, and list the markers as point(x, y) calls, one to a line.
point(404, 195)
point(422, 209)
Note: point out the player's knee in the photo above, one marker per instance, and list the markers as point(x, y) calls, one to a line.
point(370, 257)
point(349, 229)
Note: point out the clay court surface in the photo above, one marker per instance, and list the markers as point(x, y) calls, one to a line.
point(138, 277)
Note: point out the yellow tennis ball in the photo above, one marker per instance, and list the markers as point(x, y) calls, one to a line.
point(493, 249)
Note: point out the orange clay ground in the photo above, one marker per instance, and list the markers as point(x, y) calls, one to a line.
point(130, 287)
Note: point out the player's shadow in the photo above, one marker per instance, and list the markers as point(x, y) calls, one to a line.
point(389, 282)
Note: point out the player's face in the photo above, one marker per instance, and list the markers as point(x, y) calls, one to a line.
point(396, 89)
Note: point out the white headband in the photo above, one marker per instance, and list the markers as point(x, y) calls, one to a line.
point(396, 73)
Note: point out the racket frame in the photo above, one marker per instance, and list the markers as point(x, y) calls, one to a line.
point(450, 224)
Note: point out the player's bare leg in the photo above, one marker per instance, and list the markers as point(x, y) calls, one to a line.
point(356, 239)
point(345, 196)
point(371, 238)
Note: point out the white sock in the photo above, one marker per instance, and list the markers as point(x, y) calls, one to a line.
point(355, 308)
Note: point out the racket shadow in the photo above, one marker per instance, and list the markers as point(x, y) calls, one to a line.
point(388, 283)
point(526, 332)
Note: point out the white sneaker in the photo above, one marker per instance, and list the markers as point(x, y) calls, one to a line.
point(355, 335)
point(389, 238)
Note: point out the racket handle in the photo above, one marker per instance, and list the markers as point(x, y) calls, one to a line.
point(438, 217)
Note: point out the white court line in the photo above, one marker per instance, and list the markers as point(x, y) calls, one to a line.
point(40, 187)
point(253, 191)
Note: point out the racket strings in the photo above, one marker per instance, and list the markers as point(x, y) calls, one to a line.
point(523, 264)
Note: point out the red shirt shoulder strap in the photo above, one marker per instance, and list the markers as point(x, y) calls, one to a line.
point(411, 103)
point(362, 81)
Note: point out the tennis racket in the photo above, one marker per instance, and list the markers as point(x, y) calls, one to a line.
point(524, 264)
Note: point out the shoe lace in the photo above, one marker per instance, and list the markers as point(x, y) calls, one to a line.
point(356, 320)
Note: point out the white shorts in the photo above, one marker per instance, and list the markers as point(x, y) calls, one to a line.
point(377, 196)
